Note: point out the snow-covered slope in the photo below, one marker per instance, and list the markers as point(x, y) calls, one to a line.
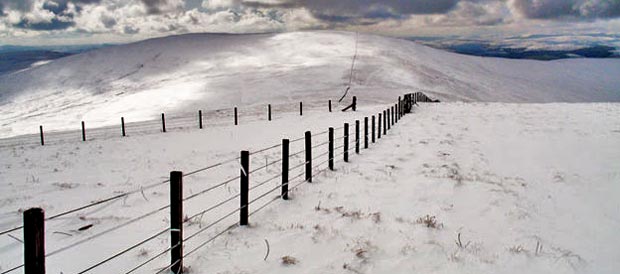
point(531, 188)
point(187, 72)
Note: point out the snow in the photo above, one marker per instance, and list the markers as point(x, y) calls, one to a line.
point(505, 176)
point(181, 74)
point(518, 160)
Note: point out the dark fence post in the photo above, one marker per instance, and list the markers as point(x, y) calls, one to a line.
point(244, 188)
point(42, 138)
point(269, 112)
point(236, 117)
point(365, 132)
point(385, 122)
point(285, 158)
point(331, 149)
point(346, 142)
point(357, 136)
point(200, 119)
point(400, 107)
point(176, 221)
point(354, 103)
point(34, 241)
point(389, 117)
point(372, 132)
point(123, 126)
point(330, 105)
point(379, 127)
point(163, 122)
point(308, 156)
point(301, 108)
point(83, 132)
point(392, 115)
point(395, 108)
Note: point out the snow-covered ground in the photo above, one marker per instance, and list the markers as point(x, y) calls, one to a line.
point(506, 177)
point(185, 73)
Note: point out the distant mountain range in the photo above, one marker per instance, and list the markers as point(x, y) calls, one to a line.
point(508, 50)
point(16, 58)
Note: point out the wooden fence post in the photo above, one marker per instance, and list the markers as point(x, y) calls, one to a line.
point(244, 188)
point(365, 132)
point(400, 107)
point(236, 117)
point(123, 126)
point(379, 127)
point(42, 138)
point(372, 132)
point(285, 158)
point(357, 136)
point(269, 112)
point(200, 119)
point(176, 221)
point(385, 123)
point(346, 143)
point(390, 119)
point(34, 241)
point(83, 132)
point(301, 108)
point(392, 115)
point(330, 105)
point(163, 122)
point(354, 103)
point(308, 156)
point(330, 153)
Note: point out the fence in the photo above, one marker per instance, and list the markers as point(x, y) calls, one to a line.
point(296, 168)
point(165, 123)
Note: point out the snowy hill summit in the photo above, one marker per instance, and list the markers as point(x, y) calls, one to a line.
point(210, 71)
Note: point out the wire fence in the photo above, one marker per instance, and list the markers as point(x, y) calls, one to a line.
point(222, 194)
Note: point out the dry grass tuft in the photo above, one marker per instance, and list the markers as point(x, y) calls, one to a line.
point(430, 222)
point(289, 260)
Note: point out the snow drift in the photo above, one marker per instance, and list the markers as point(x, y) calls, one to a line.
point(208, 71)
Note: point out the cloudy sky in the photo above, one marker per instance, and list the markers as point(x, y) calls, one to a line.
point(45, 22)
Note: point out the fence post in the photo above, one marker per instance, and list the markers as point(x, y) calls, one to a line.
point(163, 122)
point(392, 114)
point(330, 153)
point(83, 132)
point(354, 103)
point(301, 108)
point(236, 117)
point(395, 108)
point(400, 107)
point(285, 158)
point(346, 143)
point(244, 188)
point(42, 138)
point(269, 112)
point(176, 221)
point(389, 118)
point(372, 132)
point(123, 126)
point(308, 156)
point(357, 136)
point(365, 132)
point(200, 119)
point(385, 123)
point(330, 105)
point(379, 127)
point(34, 241)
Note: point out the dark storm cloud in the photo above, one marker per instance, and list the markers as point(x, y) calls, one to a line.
point(580, 9)
point(154, 6)
point(54, 24)
point(347, 10)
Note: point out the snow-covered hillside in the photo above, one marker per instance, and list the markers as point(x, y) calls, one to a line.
point(212, 71)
